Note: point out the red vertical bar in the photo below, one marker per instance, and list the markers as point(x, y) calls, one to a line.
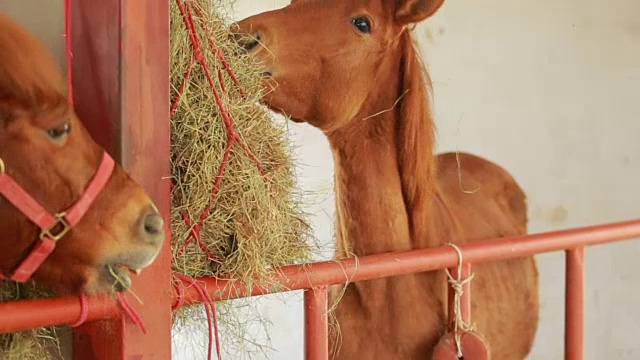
point(465, 301)
point(316, 324)
point(574, 304)
point(121, 88)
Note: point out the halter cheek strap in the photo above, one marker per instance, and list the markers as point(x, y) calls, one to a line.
point(52, 227)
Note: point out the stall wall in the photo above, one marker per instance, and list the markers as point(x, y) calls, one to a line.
point(44, 18)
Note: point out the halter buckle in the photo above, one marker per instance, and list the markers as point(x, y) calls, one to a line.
point(1, 166)
point(58, 230)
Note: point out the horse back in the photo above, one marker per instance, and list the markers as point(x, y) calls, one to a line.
point(484, 198)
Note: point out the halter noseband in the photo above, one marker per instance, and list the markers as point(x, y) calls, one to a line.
point(52, 227)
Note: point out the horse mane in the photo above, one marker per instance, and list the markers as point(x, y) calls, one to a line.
point(29, 77)
point(416, 137)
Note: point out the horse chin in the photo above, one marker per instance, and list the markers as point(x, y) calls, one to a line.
point(115, 274)
point(272, 104)
point(286, 115)
point(110, 278)
point(296, 120)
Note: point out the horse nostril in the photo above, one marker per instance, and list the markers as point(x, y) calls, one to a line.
point(153, 225)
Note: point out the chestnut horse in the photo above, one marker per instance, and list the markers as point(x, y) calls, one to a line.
point(350, 69)
point(46, 151)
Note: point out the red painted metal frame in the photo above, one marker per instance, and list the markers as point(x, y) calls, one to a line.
point(316, 323)
point(574, 304)
point(121, 86)
point(22, 315)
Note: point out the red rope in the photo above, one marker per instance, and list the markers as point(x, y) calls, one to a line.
point(209, 306)
point(179, 285)
point(187, 76)
point(129, 311)
point(219, 54)
point(84, 311)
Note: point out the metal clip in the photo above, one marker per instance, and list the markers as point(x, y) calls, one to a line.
point(60, 221)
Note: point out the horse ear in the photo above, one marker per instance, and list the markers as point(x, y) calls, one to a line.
point(413, 11)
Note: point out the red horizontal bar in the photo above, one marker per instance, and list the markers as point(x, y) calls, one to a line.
point(306, 276)
point(30, 314)
point(27, 314)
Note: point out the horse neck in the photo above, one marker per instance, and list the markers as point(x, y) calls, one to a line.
point(384, 165)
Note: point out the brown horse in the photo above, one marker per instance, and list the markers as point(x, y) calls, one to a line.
point(350, 69)
point(46, 151)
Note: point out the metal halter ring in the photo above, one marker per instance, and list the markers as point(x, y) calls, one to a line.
point(60, 222)
point(1, 166)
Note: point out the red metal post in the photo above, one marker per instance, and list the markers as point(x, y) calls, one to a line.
point(574, 304)
point(121, 89)
point(316, 323)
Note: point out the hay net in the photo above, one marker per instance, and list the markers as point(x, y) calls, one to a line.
point(235, 209)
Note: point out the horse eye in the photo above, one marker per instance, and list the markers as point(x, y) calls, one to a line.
point(60, 132)
point(362, 24)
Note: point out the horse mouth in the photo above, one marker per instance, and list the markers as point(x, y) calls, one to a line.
point(119, 276)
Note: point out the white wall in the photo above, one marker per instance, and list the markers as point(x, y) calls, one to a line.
point(44, 18)
point(546, 89)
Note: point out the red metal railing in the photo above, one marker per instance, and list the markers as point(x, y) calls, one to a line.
point(316, 277)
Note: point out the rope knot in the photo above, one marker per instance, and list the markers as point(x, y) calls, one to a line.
point(198, 55)
point(458, 287)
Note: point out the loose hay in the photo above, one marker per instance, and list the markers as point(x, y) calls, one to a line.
point(256, 221)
